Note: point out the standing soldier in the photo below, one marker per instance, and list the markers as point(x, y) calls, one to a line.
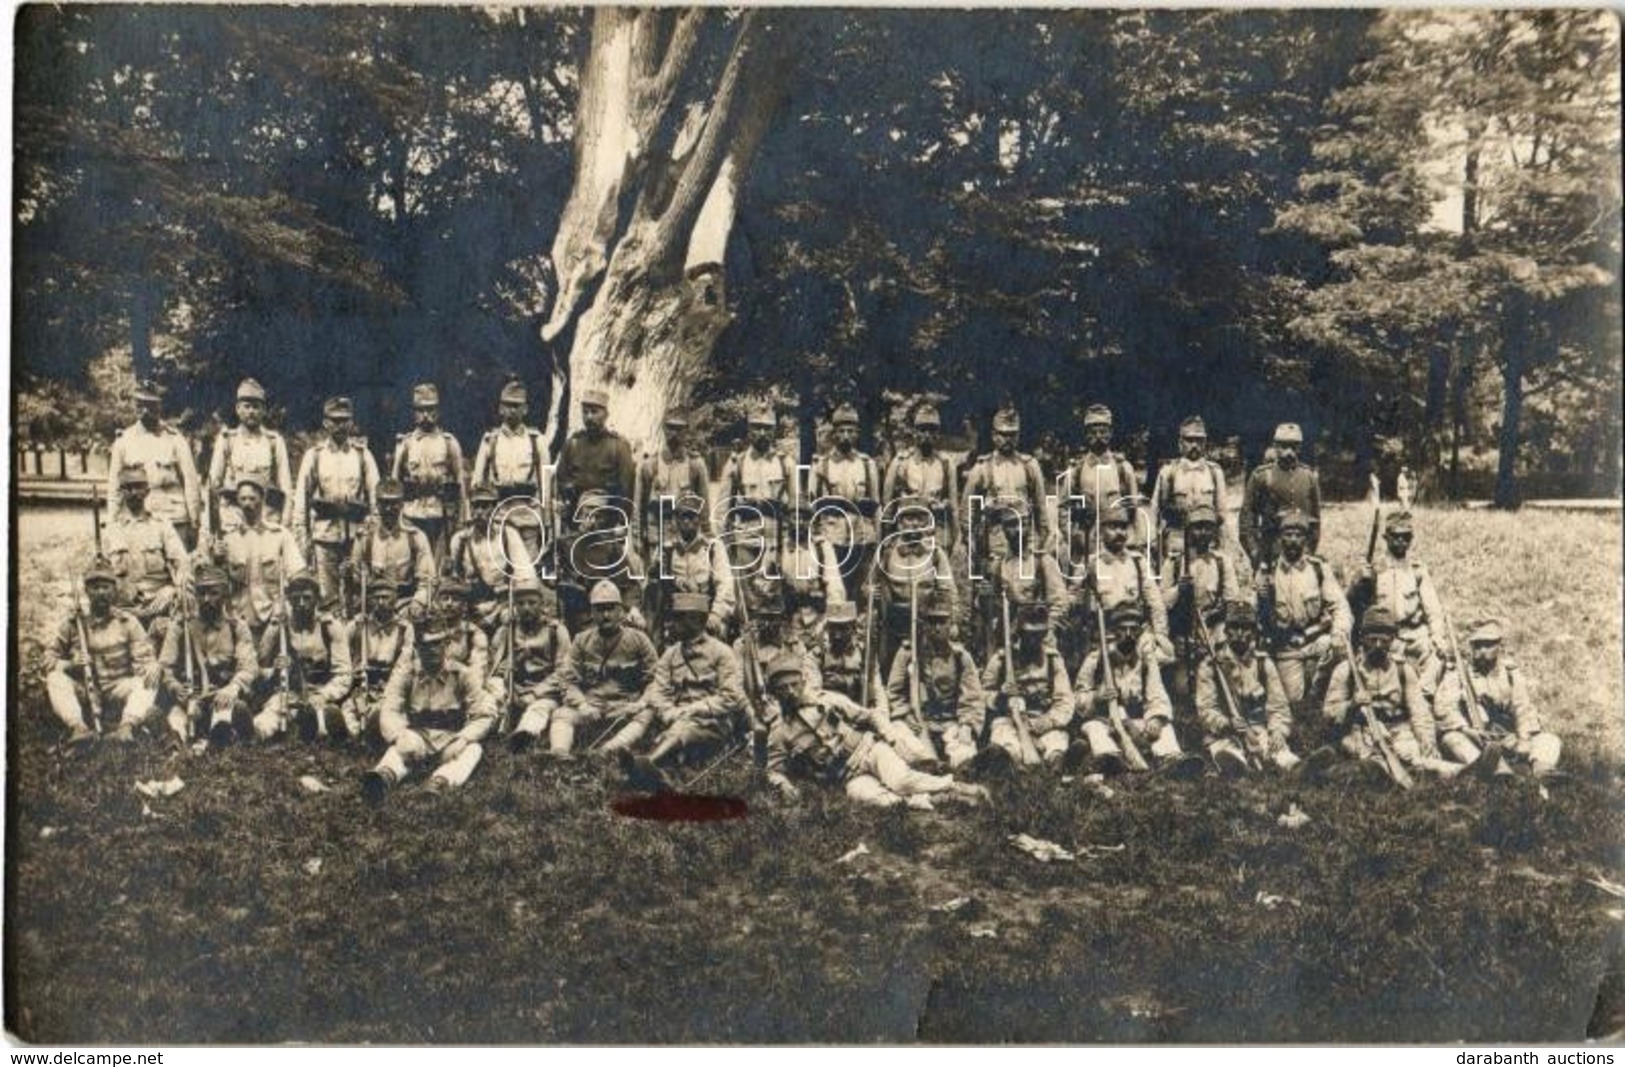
point(1189, 482)
point(1510, 721)
point(1120, 688)
point(1197, 580)
point(525, 657)
point(809, 567)
point(147, 555)
point(333, 495)
point(939, 684)
point(603, 677)
point(1376, 703)
point(923, 473)
point(107, 651)
point(396, 549)
point(1280, 485)
point(909, 568)
point(1302, 614)
point(308, 653)
point(1241, 706)
point(695, 699)
point(824, 736)
point(757, 483)
point(484, 559)
point(1099, 479)
point(1001, 480)
point(1034, 686)
point(379, 641)
point(432, 709)
point(665, 476)
point(846, 483)
point(165, 456)
point(247, 452)
point(690, 562)
point(512, 459)
point(594, 458)
point(1406, 588)
point(429, 464)
point(258, 553)
point(209, 665)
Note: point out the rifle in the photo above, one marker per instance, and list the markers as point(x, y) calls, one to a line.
point(96, 516)
point(1029, 751)
point(513, 652)
point(916, 704)
point(284, 649)
point(1469, 692)
point(93, 677)
point(755, 689)
point(1238, 722)
point(1131, 751)
point(1374, 729)
point(1376, 519)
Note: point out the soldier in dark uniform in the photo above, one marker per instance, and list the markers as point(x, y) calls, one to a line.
point(1280, 485)
point(595, 458)
point(429, 464)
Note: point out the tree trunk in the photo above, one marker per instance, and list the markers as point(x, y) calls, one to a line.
point(1512, 365)
point(142, 302)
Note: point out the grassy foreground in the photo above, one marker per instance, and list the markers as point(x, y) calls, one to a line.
point(523, 909)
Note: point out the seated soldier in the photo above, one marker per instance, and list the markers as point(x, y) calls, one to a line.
point(601, 552)
point(1303, 616)
point(209, 665)
point(1244, 714)
point(1378, 698)
point(258, 554)
point(1511, 722)
point(120, 676)
point(308, 653)
point(1196, 585)
point(603, 676)
point(380, 641)
point(1122, 691)
point(528, 678)
point(1036, 689)
point(826, 737)
point(943, 688)
point(432, 709)
point(466, 643)
point(694, 702)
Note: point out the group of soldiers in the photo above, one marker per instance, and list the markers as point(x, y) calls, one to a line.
point(905, 631)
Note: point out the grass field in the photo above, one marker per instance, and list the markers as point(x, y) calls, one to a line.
point(522, 909)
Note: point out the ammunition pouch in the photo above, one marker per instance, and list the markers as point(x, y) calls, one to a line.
point(454, 719)
point(339, 510)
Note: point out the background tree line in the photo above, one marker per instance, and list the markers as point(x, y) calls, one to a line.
point(1400, 229)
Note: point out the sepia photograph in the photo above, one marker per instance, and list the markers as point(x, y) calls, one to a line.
point(814, 526)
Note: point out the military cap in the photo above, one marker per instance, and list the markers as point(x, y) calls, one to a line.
point(768, 604)
point(249, 389)
point(1006, 420)
point(802, 508)
point(209, 575)
point(433, 630)
point(784, 665)
point(1289, 433)
point(592, 499)
point(1115, 515)
point(133, 475)
point(1294, 520)
point(911, 502)
point(937, 607)
point(688, 504)
point(527, 587)
point(1240, 613)
point(690, 604)
point(605, 592)
point(763, 416)
point(1202, 513)
point(425, 395)
point(926, 415)
point(1486, 632)
point(449, 588)
point(379, 583)
point(391, 489)
point(303, 580)
point(845, 415)
point(101, 570)
point(841, 613)
point(337, 407)
point(1035, 617)
point(1128, 611)
point(1097, 415)
point(513, 393)
point(1005, 514)
point(596, 398)
point(676, 420)
point(1193, 427)
point(147, 389)
point(249, 479)
point(483, 494)
point(1397, 522)
point(1379, 619)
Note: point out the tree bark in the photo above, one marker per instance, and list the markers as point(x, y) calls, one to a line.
point(1512, 367)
